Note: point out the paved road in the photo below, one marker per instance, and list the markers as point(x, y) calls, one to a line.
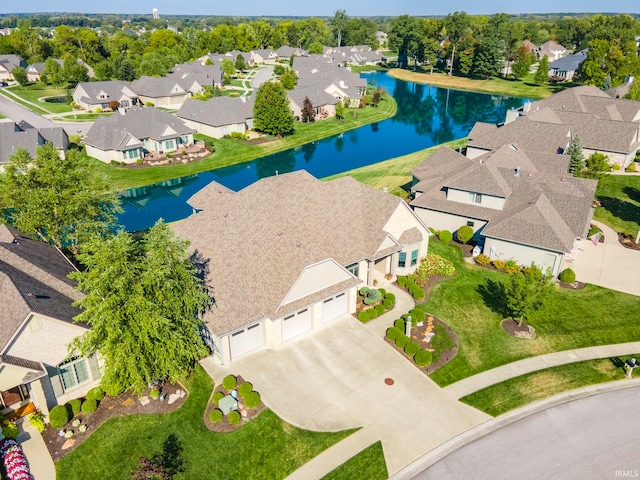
point(261, 76)
point(596, 437)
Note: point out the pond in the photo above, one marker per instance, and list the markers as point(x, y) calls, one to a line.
point(55, 99)
point(426, 116)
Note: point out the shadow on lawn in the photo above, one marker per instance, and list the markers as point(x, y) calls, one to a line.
point(493, 296)
point(621, 209)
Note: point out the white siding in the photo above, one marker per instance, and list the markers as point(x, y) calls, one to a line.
point(473, 152)
point(447, 221)
point(464, 196)
point(523, 254)
point(214, 132)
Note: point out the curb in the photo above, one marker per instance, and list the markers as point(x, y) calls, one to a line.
point(490, 426)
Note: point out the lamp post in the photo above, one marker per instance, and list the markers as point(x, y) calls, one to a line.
point(407, 326)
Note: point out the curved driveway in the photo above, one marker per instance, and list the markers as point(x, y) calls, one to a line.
point(596, 437)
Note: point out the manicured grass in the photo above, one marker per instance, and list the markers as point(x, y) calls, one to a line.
point(369, 464)
point(369, 68)
point(267, 447)
point(395, 173)
point(516, 392)
point(525, 88)
point(570, 319)
point(32, 92)
point(231, 152)
point(619, 196)
point(82, 117)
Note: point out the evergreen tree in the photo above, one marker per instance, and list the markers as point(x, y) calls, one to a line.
point(124, 69)
point(241, 64)
point(542, 75)
point(308, 112)
point(487, 59)
point(271, 111)
point(577, 162)
point(288, 80)
point(340, 111)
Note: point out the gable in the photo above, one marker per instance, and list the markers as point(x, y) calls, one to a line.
point(388, 242)
point(168, 131)
point(316, 277)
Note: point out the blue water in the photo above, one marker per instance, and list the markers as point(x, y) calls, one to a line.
point(426, 116)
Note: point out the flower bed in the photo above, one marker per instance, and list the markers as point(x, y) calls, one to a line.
point(249, 405)
point(373, 302)
point(14, 464)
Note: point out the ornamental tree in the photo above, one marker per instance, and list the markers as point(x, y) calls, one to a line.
point(308, 112)
point(577, 163)
point(526, 291)
point(271, 111)
point(142, 301)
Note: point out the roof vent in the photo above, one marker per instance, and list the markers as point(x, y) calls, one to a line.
point(517, 172)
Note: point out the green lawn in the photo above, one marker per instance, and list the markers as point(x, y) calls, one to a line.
point(267, 447)
point(394, 173)
point(570, 319)
point(368, 464)
point(369, 68)
point(231, 152)
point(516, 392)
point(82, 117)
point(619, 196)
point(32, 92)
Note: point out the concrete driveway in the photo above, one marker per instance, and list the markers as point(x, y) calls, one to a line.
point(333, 379)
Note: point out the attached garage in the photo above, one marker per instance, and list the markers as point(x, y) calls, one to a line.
point(296, 324)
point(244, 341)
point(334, 307)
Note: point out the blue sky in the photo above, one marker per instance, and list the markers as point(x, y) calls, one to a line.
point(319, 8)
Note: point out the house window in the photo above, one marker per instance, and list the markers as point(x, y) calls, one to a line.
point(224, 130)
point(13, 395)
point(414, 258)
point(73, 373)
point(402, 259)
point(104, 106)
point(475, 197)
point(354, 269)
point(169, 144)
point(125, 103)
point(470, 223)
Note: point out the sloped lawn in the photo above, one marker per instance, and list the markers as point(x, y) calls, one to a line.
point(571, 319)
point(369, 464)
point(266, 447)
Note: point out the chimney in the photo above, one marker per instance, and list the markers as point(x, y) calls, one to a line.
point(517, 172)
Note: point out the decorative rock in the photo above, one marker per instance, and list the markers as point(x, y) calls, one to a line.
point(173, 398)
point(68, 444)
point(144, 400)
point(180, 393)
point(128, 402)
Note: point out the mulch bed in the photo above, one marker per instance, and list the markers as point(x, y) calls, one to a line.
point(571, 286)
point(124, 404)
point(224, 426)
point(513, 328)
point(628, 242)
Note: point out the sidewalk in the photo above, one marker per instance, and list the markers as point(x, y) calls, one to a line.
point(404, 303)
point(40, 462)
point(500, 374)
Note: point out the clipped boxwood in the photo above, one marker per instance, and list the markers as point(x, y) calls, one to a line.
point(567, 276)
point(74, 406)
point(388, 304)
point(252, 399)
point(482, 260)
point(418, 293)
point(229, 382)
point(233, 417)
point(215, 415)
point(393, 332)
point(390, 297)
point(363, 316)
point(402, 340)
point(383, 292)
point(423, 358)
point(59, 416)
point(402, 281)
point(217, 396)
point(411, 348)
point(399, 324)
point(95, 393)
point(89, 406)
point(445, 236)
point(380, 309)
point(464, 234)
point(245, 388)
point(418, 314)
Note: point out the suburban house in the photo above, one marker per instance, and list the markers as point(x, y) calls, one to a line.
point(129, 136)
point(289, 276)
point(35, 70)
point(264, 55)
point(551, 50)
point(8, 63)
point(285, 52)
point(522, 206)
point(195, 76)
point(94, 95)
point(218, 116)
point(162, 92)
point(22, 135)
point(36, 326)
point(337, 81)
point(216, 58)
point(324, 104)
point(566, 67)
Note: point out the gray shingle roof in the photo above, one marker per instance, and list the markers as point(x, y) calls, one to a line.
point(315, 94)
point(570, 63)
point(218, 111)
point(113, 89)
point(158, 87)
point(13, 136)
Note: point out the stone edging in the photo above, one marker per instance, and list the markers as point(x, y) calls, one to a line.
point(496, 423)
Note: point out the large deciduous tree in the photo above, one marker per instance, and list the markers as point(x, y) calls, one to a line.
point(271, 111)
point(19, 74)
point(142, 301)
point(58, 201)
point(339, 25)
point(406, 35)
point(456, 25)
point(542, 74)
point(526, 291)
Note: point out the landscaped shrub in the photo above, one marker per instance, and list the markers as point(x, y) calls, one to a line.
point(387, 304)
point(402, 281)
point(631, 167)
point(278, 70)
point(229, 382)
point(252, 400)
point(430, 266)
point(36, 420)
point(511, 267)
point(380, 309)
point(112, 390)
point(393, 332)
point(245, 388)
point(445, 236)
point(89, 406)
point(10, 429)
point(418, 315)
point(593, 230)
point(364, 291)
point(363, 316)
point(383, 292)
point(154, 393)
point(58, 416)
point(373, 296)
point(567, 276)
point(234, 418)
point(215, 415)
point(464, 234)
point(423, 358)
point(411, 348)
point(482, 259)
point(616, 167)
point(217, 396)
point(402, 340)
point(74, 406)
point(391, 297)
point(95, 393)
point(399, 324)
point(418, 293)
point(499, 265)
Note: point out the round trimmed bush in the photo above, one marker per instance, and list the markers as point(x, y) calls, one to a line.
point(445, 236)
point(252, 400)
point(95, 393)
point(215, 415)
point(217, 396)
point(383, 292)
point(464, 234)
point(402, 340)
point(418, 293)
point(363, 316)
point(567, 276)
point(423, 358)
point(402, 281)
point(229, 382)
point(482, 260)
point(393, 332)
point(380, 309)
point(58, 416)
point(89, 406)
point(245, 388)
point(390, 297)
point(74, 406)
point(411, 348)
point(388, 305)
point(399, 324)
point(371, 314)
point(418, 315)
point(373, 296)
point(234, 418)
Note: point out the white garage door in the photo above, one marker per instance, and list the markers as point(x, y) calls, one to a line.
point(246, 340)
point(296, 324)
point(334, 307)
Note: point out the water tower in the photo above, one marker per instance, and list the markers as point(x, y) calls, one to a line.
point(156, 14)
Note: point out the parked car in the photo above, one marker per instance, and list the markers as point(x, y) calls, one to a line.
point(4, 84)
